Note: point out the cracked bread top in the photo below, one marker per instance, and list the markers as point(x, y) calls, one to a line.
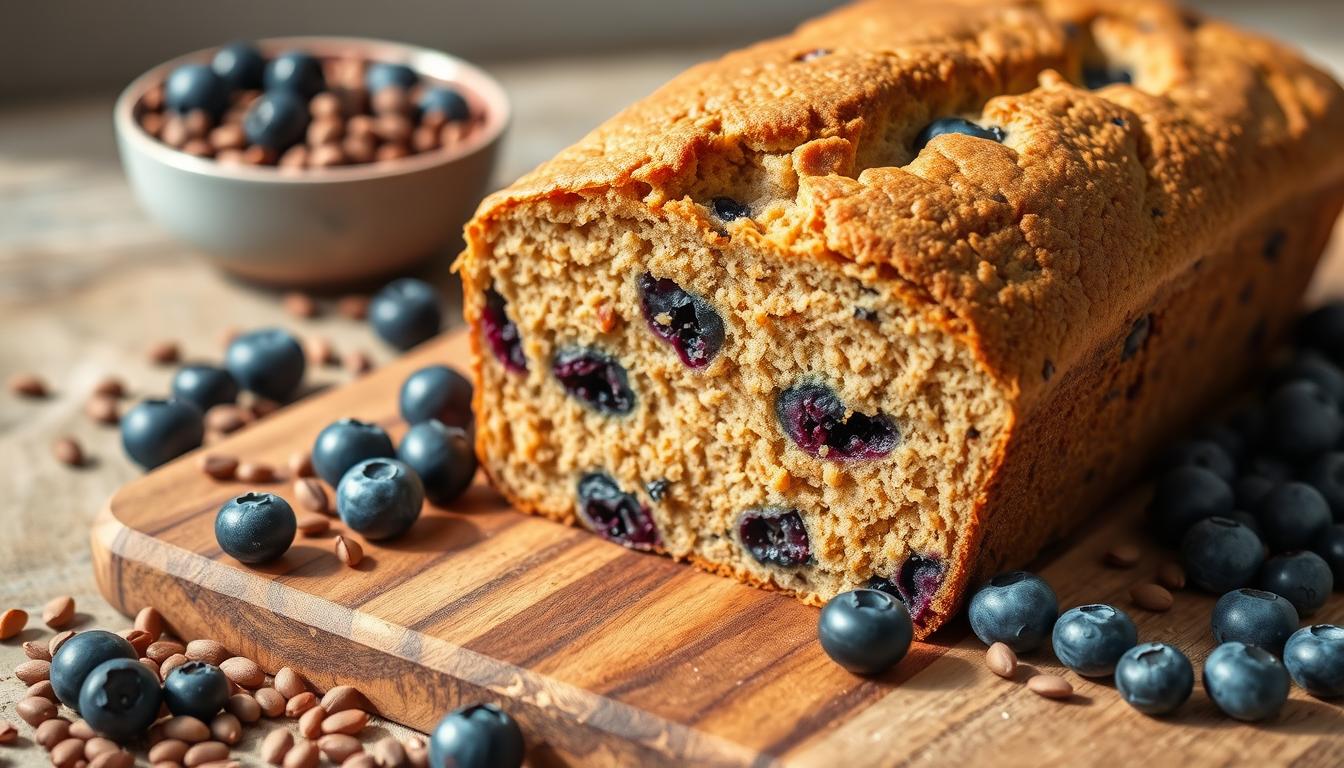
point(1036, 249)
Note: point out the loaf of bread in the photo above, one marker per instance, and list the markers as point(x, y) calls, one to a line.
point(899, 298)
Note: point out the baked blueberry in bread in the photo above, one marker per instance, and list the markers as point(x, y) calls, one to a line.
point(899, 298)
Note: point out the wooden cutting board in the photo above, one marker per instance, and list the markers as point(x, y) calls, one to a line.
point(612, 657)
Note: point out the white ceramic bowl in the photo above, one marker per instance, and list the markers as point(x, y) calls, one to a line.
point(319, 226)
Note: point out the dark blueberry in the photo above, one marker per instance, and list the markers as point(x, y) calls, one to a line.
point(1138, 335)
point(1323, 329)
point(255, 528)
point(1246, 682)
point(240, 65)
point(1015, 608)
point(345, 443)
point(817, 422)
point(917, 582)
point(268, 362)
point(1254, 617)
point(120, 699)
point(614, 514)
point(775, 536)
point(196, 689)
point(866, 631)
point(1251, 490)
point(1303, 578)
point(1301, 420)
point(1250, 521)
point(77, 657)
point(383, 74)
point(1184, 496)
point(1314, 657)
point(446, 102)
point(481, 736)
point(1090, 639)
point(443, 458)
point(204, 386)
point(682, 319)
point(277, 120)
point(1331, 549)
point(594, 379)
point(296, 72)
point(436, 392)
point(657, 489)
point(1293, 516)
point(1269, 467)
point(1326, 475)
point(1248, 421)
point(1227, 438)
point(195, 86)
point(158, 431)
point(380, 498)
point(1154, 678)
point(728, 209)
point(406, 312)
point(1311, 366)
point(501, 334)
point(944, 125)
point(1100, 75)
point(1202, 453)
point(1220, 554)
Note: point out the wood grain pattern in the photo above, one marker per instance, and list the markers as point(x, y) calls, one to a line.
point(613, 657)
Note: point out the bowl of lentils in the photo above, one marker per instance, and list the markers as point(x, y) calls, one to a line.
point(312, 160)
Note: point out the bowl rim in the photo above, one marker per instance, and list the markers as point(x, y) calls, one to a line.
point(479, 86)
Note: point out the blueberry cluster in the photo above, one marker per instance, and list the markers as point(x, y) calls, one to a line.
point(300, 111)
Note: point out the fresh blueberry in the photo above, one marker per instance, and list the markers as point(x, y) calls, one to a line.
point(196, 689)
point(866, 631)
point(436, 392)
point(815, 419)
point(595, 379)
point(501, 334)
point(1301, 420)
point(481, 736)
point(277, 120)
point(406, 312)
point(446, 102)
point(345, 443)
point(120, 699)
point(158, 431)
point(1311, 366)
point(1303, 578)
point(195, 86)
point(1326, 475)
point(1293, 516)
point(383, 74)
point(1154, 678)
point(380, 498)
point(1090, 639)
point(614, 514)
point(268, 362)
point(204, 386)
point(1229, 439)
point(1205, 454)
point(296, 72)
point(682, 319)
point(1246, 682)
point(775, 536)
point(1314, 657)
point(1323, 329)
point(77, 657)
point(1220, 554)
point(944, 125)
point(1015, 608)
point(240, 65)
point(1185, 495)
point(255, 528)
point(1270, 467)
point(1331, 549)
point(728, 209)
point(1100, 75)
point(1254, 617)
point(443, 458)
point(1251, 522)
point(1251, 490)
